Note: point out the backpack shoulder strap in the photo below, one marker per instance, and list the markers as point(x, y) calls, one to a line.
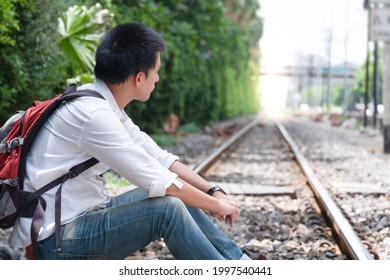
point(70, 93)
point(38, 217)
point(39, 212)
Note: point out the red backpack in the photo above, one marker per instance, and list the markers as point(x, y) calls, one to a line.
point(17, 136)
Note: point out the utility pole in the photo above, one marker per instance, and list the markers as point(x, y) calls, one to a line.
point(319, 70)
point(376, 84)
point(310, 75)
point(329, 89)
point(379, 31)
point(367, 84)
point(346, 59)
point(386, 97)
point(386, 91)
point(366, 6)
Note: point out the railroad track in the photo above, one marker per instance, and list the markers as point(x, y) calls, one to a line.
point(285, 212)
point(298, 217)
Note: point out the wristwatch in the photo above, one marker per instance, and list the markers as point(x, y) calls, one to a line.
point(214, 189)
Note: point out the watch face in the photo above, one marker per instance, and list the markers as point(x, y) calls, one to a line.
point(214, 189)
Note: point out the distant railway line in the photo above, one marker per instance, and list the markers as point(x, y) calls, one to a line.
point(287, 212)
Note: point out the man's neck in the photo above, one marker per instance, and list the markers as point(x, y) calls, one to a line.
point(122, 93)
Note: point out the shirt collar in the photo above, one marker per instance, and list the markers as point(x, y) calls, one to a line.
point(105, 91)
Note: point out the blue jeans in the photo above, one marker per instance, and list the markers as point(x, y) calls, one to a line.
point(131, 221)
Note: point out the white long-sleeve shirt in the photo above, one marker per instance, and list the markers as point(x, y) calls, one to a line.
point(78, 130)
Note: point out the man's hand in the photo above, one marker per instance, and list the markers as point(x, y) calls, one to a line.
point(229, 209)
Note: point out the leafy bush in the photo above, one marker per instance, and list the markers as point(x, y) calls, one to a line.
point(30, 63)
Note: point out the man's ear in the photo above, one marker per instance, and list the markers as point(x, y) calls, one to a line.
point(138, 78)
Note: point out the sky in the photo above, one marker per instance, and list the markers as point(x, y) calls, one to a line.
point(305, 26)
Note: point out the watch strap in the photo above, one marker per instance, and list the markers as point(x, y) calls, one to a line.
point(214, 189)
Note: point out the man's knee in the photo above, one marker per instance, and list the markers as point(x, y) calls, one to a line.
point(175, 205)
point(174, 201)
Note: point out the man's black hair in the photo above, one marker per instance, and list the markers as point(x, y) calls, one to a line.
point(126, 50)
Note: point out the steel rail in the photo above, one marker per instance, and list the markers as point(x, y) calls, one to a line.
point(204, 164)
point(350, 242)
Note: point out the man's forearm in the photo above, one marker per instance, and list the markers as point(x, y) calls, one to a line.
point(194, 197)
point(188, 175)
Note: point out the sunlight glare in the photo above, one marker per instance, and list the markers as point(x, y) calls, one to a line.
point(274, 90)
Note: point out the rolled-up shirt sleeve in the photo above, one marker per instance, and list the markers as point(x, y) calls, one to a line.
point(159, 188)
point(144, 140)
point(138, 160)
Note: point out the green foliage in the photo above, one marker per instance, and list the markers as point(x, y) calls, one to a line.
point(210, 67)
point(30, 66)
point(9, 22)
point(115, 180)
point(209, 70)
point(165, 140)
point(41, 58)
point(80, 29)
point(359, 86)
point(190, 127)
